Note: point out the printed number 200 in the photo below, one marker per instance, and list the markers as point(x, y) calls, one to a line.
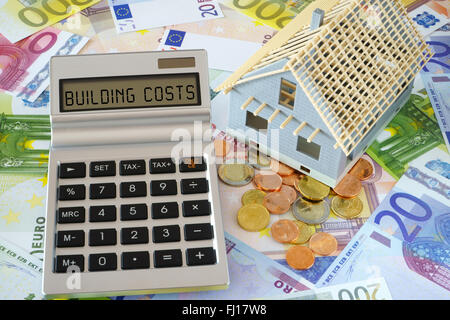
point(208, 9)
point(408, 237)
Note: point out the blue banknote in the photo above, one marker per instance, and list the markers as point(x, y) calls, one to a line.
point(407, 239)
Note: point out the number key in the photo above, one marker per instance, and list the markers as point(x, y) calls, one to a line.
point(102, 262)
point(165, 210)
point(102, 237)
point(166, 234)
point(102, 191)
point(102, 213)
point(163, 187)
point(133, 189)
point(133, 212)
point(134, 235)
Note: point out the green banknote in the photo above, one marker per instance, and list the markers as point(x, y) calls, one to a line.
point(413, 132)
point(20, 273)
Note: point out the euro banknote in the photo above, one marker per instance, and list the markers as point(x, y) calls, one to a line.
point(413, 132)
point(252, 275)
point(406, 240)
point(274, 13)
point(20, 273)
point(147, 14)
point(22, 210)
point(10, 104)
point(372, 289)
point(20, 19)
point(436, 79)
point(24, 65)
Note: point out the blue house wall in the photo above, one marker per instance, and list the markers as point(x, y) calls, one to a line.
point(267, 90)
point(332, 164)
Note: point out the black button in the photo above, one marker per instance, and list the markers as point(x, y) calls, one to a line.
point(163, 187)
point(200, 256)
point(133, 212)
point(196, 208)
point(70, 238)
point(166, 234)
point(134, 235)
point(132, 167)
point(71, 215)
point(102, 191)
point(64, 262)
point(135, 260)
point(191, 186)
point(133, 189)
point(164, 165)
point(167, 258)
point(102, 237)
point(165, 210)
point(102, 262)
point(72, 192)
point(200, 231)
point(102, 169)
point(72, 170)
point(102, 213)
point(192, 164)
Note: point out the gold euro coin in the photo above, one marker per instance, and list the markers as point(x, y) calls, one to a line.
point(260, 161)
point(311, 212)
point(253, 217)
point(236, 174)
point(305, 233)
point(312, 189)
point(347, 208)
point(253, 196)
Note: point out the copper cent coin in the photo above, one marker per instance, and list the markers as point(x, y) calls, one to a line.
point(284, 231)
point(280, 168)
point(290, 192)
point(268, 182)
point(277, 202)
point(349, 187)
point(291, 179)
point(300, 257)
point(362, 170)
point(323, 243)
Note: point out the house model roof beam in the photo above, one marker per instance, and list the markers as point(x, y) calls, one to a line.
point(313, 135)
point(247, 103)
point(286, 122)
point(300, 39)
point(262, 75)
point(259, 109)
point(273, 115)
point(299, 128)
point(278, 40)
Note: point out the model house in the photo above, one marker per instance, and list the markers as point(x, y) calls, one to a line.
point(329, 82)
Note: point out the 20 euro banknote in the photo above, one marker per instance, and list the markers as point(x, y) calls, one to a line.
point(407, 239)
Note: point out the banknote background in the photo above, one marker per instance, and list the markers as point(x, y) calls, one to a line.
point(258, 268)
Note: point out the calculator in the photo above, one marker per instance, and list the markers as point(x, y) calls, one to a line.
point(133, 204)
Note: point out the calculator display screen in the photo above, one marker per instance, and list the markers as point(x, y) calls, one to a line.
point(163, 90)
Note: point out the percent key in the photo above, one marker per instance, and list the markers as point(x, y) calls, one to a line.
point(72, 192)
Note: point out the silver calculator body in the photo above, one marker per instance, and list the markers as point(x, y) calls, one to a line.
point(123, 215)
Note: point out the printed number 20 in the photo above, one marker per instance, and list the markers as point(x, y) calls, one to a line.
point(208, 9)
point(408, 237)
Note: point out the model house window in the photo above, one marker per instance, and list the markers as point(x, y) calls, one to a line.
point(287, 93)
point(256, 122)
point(311, 149)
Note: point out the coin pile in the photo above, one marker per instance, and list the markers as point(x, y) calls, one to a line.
point(275, 192)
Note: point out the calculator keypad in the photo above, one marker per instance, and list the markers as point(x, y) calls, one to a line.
point(161, 209)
